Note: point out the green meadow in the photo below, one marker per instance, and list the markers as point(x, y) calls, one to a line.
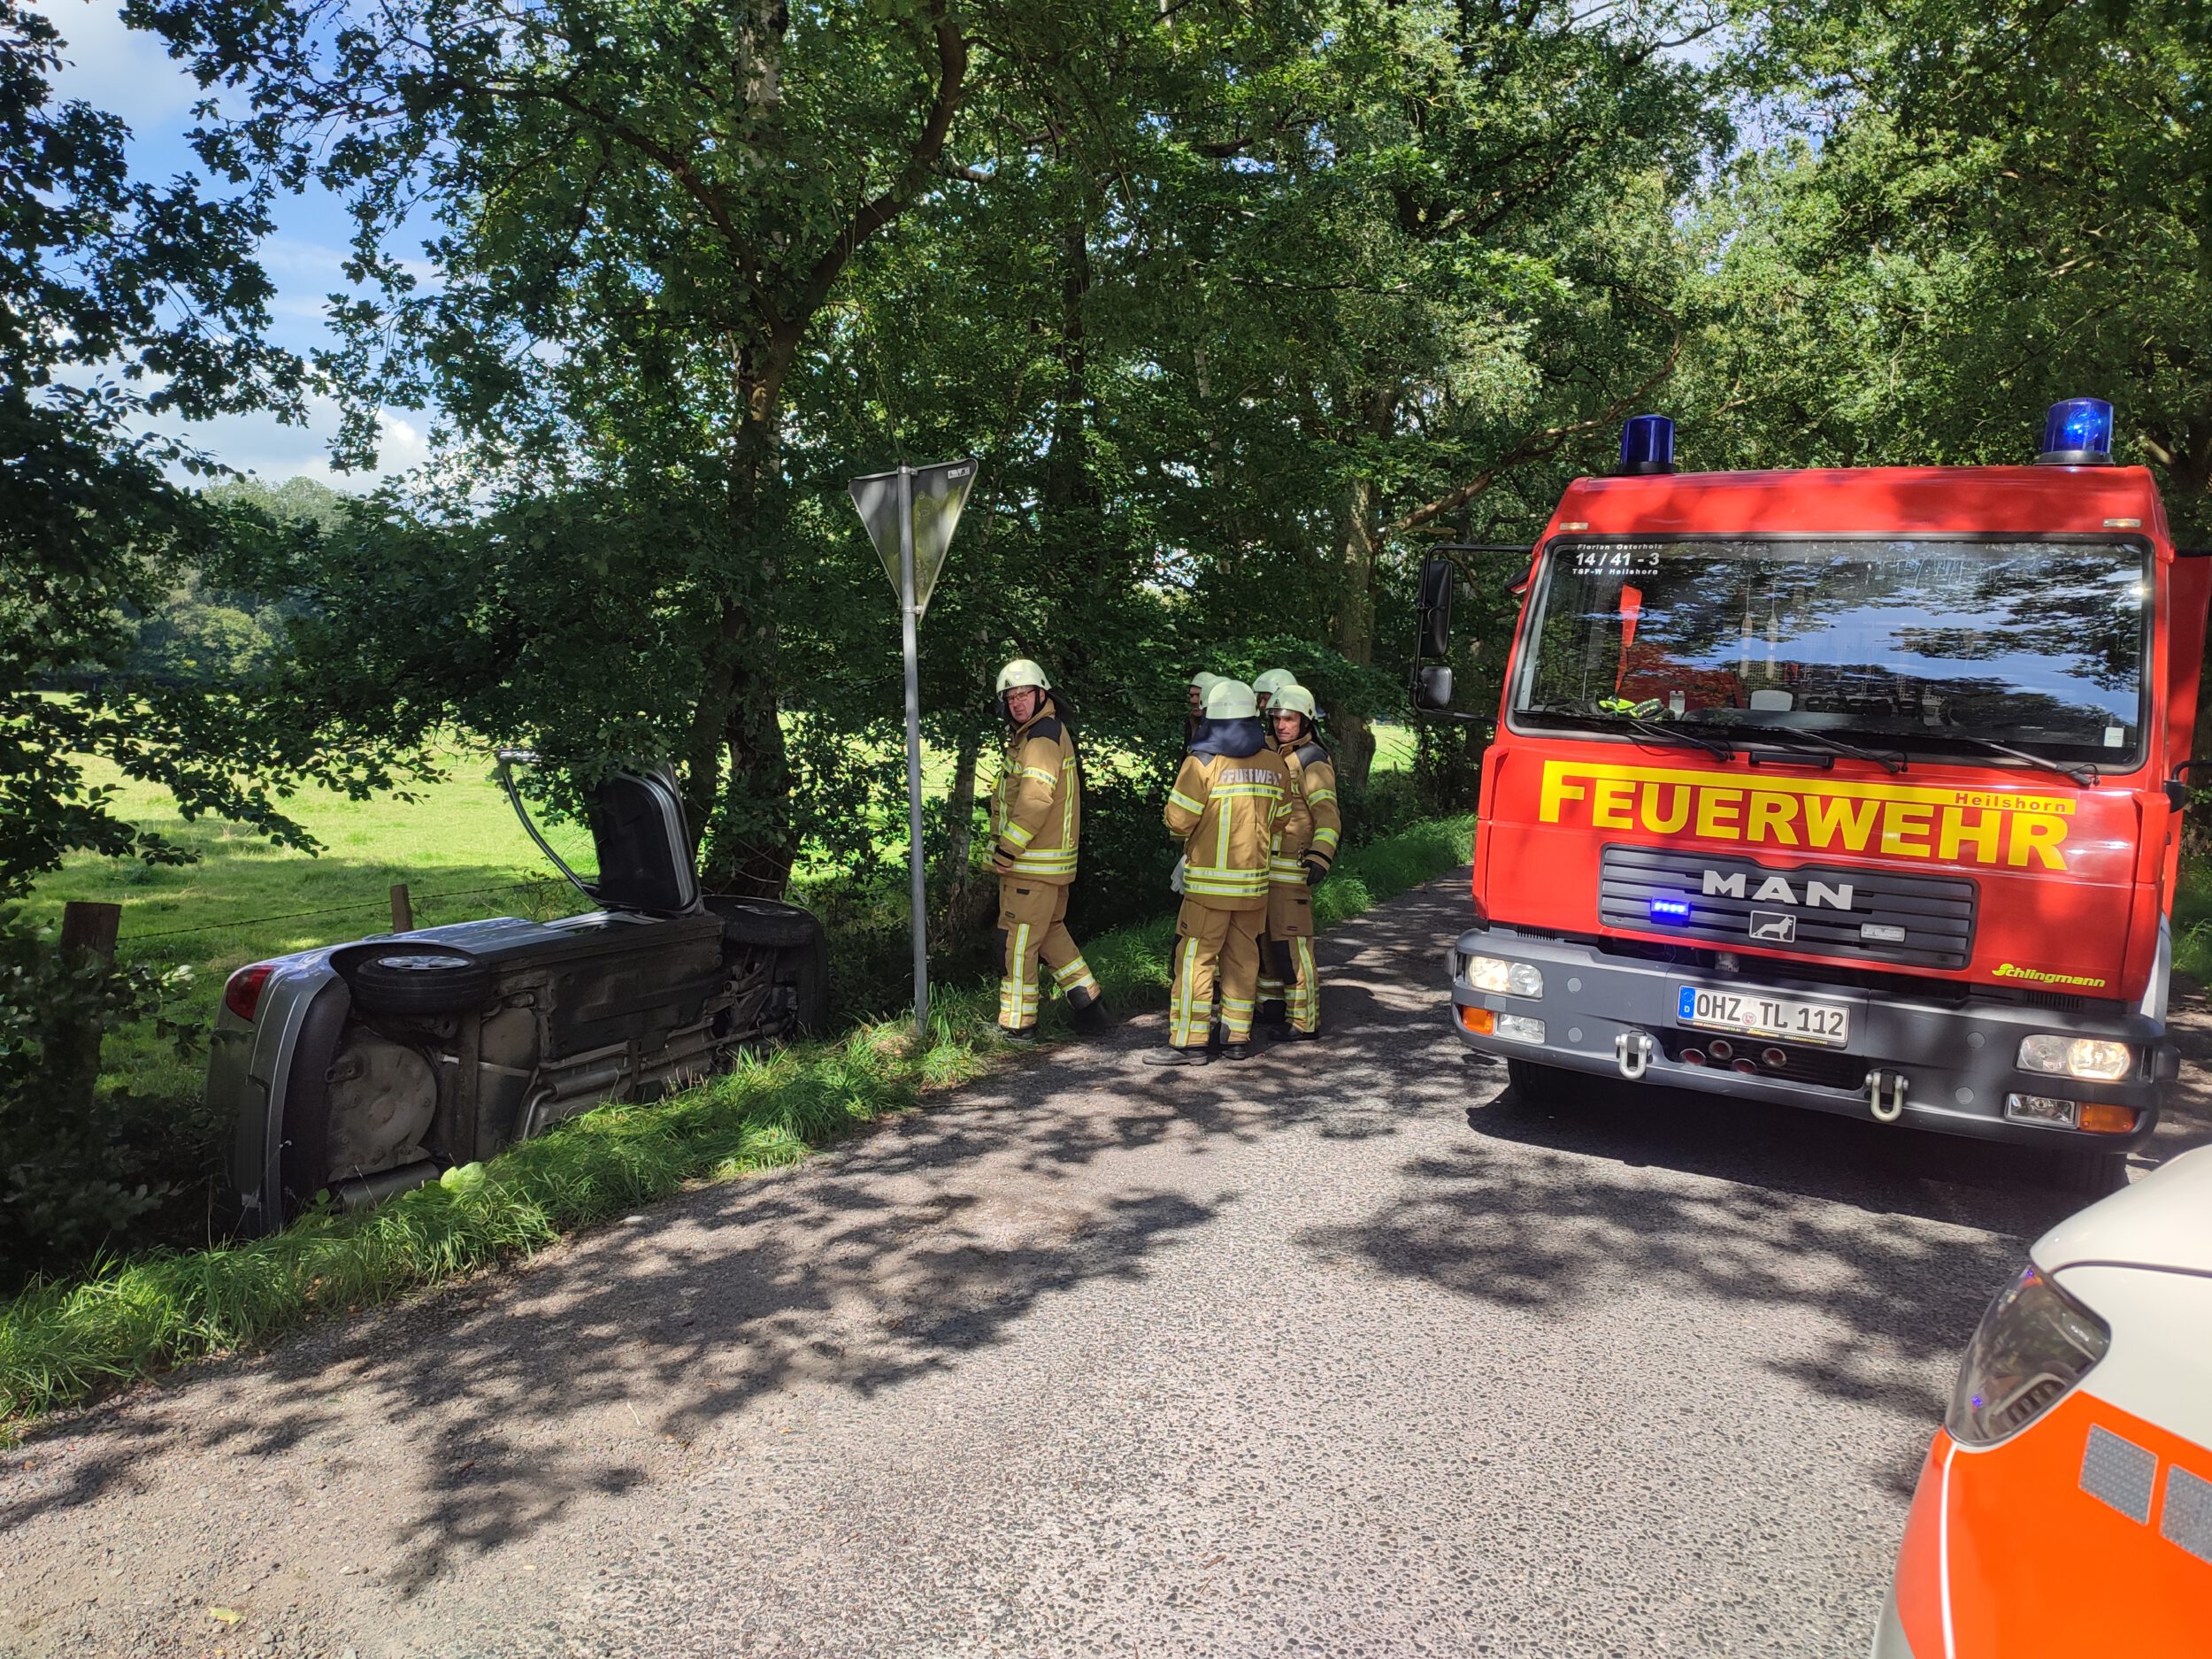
point(456, 846)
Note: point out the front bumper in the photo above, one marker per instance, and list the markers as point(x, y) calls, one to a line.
point(1956, 1063)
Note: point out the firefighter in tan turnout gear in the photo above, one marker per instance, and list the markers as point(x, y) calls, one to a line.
point(1226, 807)
point(1290, 989)
point(1036, 819)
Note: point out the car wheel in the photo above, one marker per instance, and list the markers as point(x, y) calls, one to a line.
point(2089, 1171)
point(1534, 1084)
point(417, 981)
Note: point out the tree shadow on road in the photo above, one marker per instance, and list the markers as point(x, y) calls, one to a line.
point(410, 1442)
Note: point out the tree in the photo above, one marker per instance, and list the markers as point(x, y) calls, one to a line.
point(121, 303)
point(2004, 206)
point(641, 208)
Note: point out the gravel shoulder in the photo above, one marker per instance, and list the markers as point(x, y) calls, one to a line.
point(1338, 1351)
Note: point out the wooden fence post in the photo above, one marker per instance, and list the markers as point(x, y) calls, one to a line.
point(403, 909)
point(73, 1045)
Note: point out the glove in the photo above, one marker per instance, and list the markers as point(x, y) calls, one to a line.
point(1315, 871)
point(1002, 861)
point(1175, 877)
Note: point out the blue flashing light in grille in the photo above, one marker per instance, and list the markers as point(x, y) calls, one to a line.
point(1670, 909)
point(2077, 432)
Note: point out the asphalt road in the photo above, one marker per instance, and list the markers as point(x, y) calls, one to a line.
point(1336, 1352)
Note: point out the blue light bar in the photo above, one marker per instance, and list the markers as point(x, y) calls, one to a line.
point(1646, 445)
point(1670, 909)
point(2077, 432)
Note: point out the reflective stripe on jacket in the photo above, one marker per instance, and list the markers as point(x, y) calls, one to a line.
point(1037, 808)
point(1228, 808)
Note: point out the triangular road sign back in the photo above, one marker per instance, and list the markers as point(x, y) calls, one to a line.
point(939, 493)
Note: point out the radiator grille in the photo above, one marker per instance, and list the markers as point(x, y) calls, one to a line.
point(1856, 914)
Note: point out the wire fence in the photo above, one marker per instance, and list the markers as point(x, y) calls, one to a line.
point(236, 922)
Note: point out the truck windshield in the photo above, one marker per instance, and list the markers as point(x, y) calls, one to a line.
point(1926, 644)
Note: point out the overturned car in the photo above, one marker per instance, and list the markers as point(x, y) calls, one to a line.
point(363, 1069)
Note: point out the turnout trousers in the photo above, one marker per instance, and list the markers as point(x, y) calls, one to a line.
point(1033, 924)
point(1286, 968)
point(1215, 950)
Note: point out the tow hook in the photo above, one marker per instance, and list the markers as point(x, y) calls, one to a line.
point(1889, 1109)
point(1631, 1052)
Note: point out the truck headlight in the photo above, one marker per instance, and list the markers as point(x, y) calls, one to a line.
point(2090, 1057)
point(1506, 979)
point(2033, 1344)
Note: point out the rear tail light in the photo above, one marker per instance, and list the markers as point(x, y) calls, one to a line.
point(242, 993)
point(2033, 1344)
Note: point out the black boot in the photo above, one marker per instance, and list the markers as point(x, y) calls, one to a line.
point(1238, 1051)
point(1274, 1012)
point(1024, 1038)
point(1088, 1016)
point(1173, 1055)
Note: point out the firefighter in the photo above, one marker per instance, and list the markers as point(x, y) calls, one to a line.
point(1200, 682)
point(1226, 807)
point(1036, 818)
point(1264, 687)
point(1290, 989)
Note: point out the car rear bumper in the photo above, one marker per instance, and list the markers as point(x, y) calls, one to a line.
point(1956, 1063)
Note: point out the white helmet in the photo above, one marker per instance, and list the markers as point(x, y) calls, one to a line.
point(1022, 671)
point(1267, 684)
point(1292, 699)
point(1203, 681)
point(1231, 700)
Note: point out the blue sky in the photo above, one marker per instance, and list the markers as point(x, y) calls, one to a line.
point(128, 74)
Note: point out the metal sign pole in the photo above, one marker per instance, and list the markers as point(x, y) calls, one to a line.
point(907, 618)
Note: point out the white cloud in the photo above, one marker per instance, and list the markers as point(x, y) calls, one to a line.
point(263, 448)
point(124, 71)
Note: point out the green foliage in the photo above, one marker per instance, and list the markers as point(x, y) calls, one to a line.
point(119, 300)
point(74, 1174)
point(1226, 300)
point(61, 1342)
point(1994, 207)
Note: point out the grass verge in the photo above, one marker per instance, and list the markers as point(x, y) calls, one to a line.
point(62, 1343)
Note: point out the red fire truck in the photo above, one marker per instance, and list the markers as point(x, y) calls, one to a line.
point(1855, 789)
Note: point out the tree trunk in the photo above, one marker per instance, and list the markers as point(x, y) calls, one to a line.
point(1359, 546)
point(745, 815)
point(960, 817)
point(1072, 519)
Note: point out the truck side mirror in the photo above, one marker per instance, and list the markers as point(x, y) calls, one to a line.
point(1433, 688)
point(1433, 633)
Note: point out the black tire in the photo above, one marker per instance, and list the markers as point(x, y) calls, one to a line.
point(410, 981)
point(764, 922)
point(2090, 1172)
point(1534, 1084)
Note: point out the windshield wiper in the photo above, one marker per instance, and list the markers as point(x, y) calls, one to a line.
point(1642, 725)
point(1791, 736)
point(2081, 773)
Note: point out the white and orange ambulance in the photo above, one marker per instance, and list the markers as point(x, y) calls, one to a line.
point(2066, 1505)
